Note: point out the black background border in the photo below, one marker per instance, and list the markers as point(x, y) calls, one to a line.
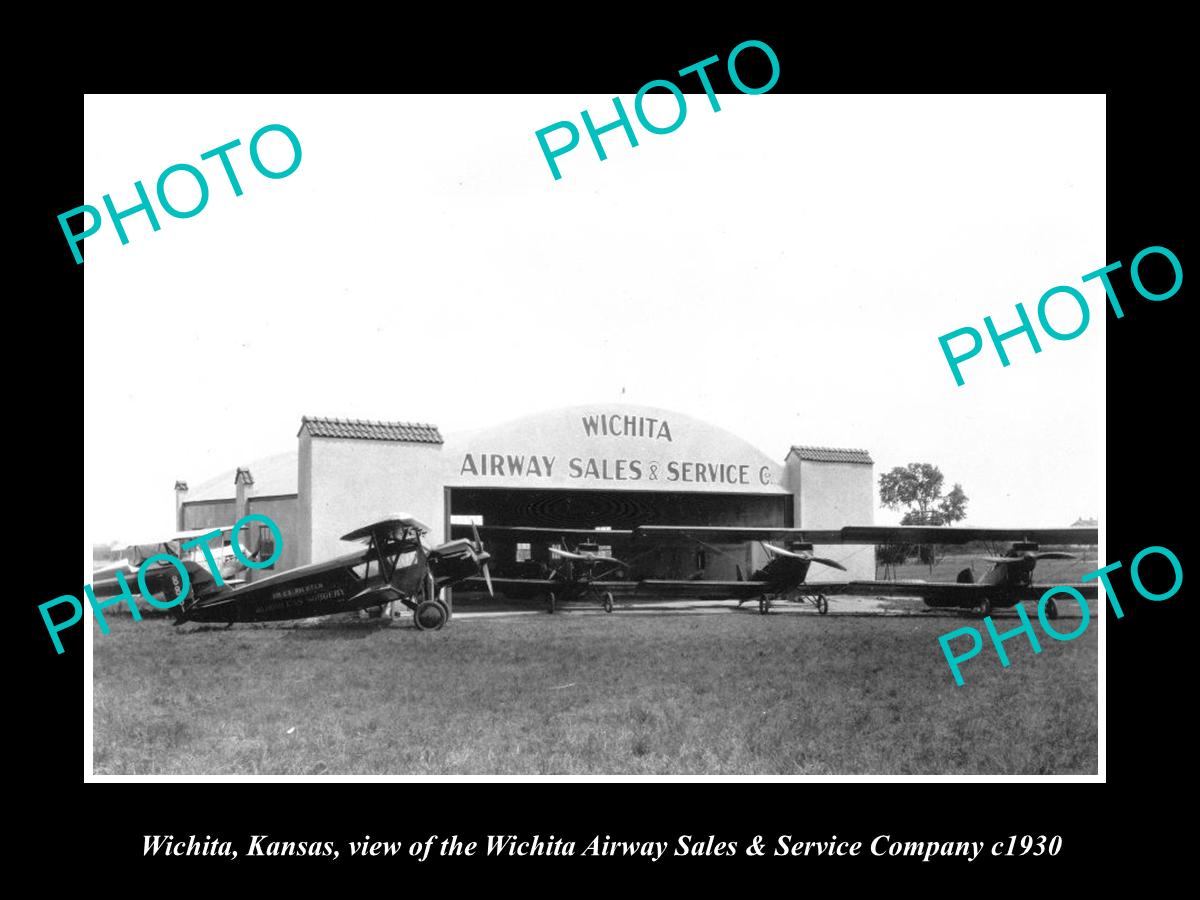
point(1147, 691)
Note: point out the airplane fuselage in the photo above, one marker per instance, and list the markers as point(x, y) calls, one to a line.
point(782, 574)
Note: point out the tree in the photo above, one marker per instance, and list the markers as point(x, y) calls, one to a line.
point(917, 489)
point(953, 507)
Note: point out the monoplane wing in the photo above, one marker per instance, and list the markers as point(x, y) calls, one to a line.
point(737, 589)
point(952, 534)
point(737, 534)
point(517, 532)
point(967, 593)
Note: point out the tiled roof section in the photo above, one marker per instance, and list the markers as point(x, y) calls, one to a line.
point(366, 430)
point(832, 454)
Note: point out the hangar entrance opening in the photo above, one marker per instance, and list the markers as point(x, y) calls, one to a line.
point(600, 509)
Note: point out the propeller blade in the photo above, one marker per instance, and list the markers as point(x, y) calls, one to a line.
point(779, 551)
point(475, 534)
point(487, 576)
point(829, 562)
point(1054, 554)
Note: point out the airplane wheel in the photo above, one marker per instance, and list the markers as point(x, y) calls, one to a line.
point(983, 608)
point(1051, 609)
point(445, 609)
point(822, 604)
point(429, 615)
point(608, 602)
point(763, 604)
point(553, 601)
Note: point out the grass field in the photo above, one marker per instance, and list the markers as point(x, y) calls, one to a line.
point(725, 693)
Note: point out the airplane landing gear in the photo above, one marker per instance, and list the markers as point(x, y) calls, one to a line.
point(822, 604)
point(764, 605)
point(1051, 609)
point(983, 608)
point(608, 603)
point(430, 615)
point(552, 601)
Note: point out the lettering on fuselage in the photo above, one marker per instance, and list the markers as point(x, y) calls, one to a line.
point(315, 592)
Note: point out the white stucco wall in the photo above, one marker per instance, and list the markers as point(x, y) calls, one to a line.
point(352, 483)
point(831, 495)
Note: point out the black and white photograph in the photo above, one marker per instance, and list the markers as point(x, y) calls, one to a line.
point(701, 432)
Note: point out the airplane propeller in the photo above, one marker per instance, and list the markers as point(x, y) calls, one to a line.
point(587, 557)
point(487, 575)
point(1025, 557)
point(772, 550)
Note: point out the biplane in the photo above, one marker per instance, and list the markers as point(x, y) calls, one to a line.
point(783, 577)
point(162, 578)
point(581, 571)
point(394, 567)
point(1007, 583)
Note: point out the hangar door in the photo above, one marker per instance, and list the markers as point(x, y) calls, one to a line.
point(677, 558)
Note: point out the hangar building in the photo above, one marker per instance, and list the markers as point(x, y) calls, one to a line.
point(601, 466)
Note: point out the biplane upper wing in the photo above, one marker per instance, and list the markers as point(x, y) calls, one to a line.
point(950, 534)
point(966, 592)
point(738, 534)
point(389, 525)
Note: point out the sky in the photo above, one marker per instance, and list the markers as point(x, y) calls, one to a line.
point(782, 268)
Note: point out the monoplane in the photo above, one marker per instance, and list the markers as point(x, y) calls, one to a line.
point(783, 577)
point(1008, 582)
point(579, 571)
